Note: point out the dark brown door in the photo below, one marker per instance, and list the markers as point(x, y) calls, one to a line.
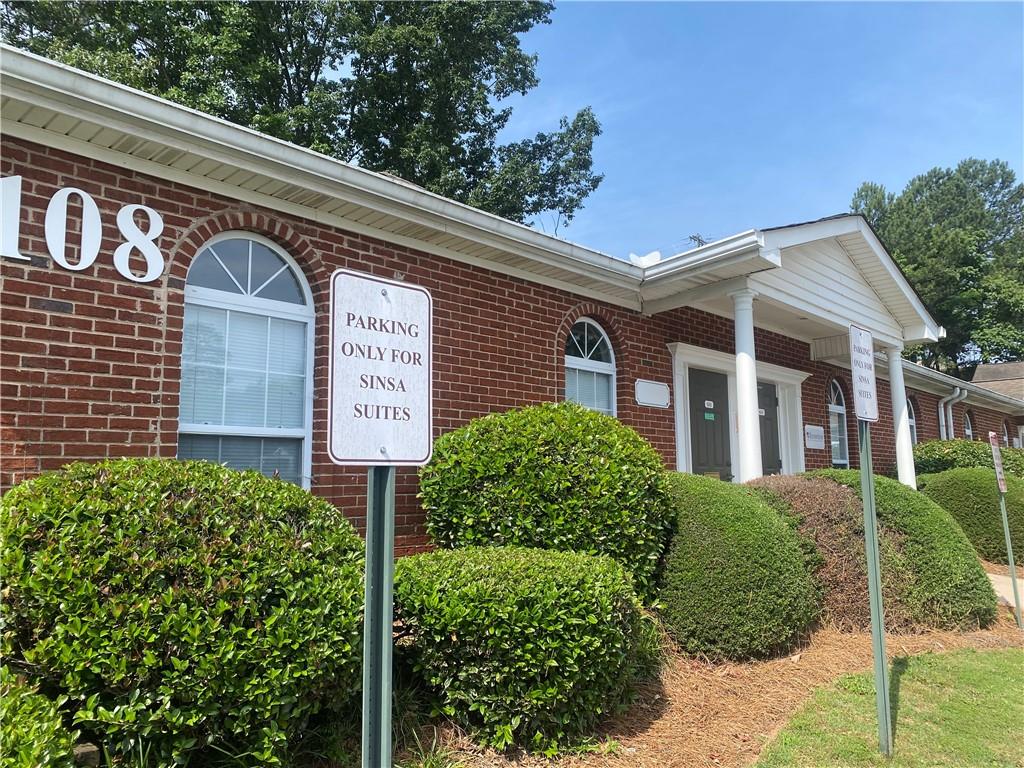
point(709, 424)
point(768, 408)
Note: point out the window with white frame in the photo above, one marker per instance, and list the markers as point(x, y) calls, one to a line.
point(837, 425)
point(912, 420)
point(590, 367)
point(968, 427)
point(1006, 434)
point(246, 363)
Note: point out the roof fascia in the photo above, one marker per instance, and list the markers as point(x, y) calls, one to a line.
point(912, 371)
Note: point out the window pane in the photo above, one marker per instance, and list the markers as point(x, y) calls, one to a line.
point(247, 341)
point(603, 393)
point(284, 287)
point(837, 434)
point(246, 398)
point(283, 456)
point(204, 335)
point(287, 346)
point(576, 344)
point(600, 350)
point(285, 399)
point(199, 448)
point(202, 395)
point(265, 264)
point(205, 272)
point(572, 388)
point(241, 452)
point(234, 254)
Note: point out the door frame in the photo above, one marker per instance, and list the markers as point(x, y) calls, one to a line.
point(787, 382)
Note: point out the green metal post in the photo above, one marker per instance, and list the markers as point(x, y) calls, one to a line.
point(867, 486)
point(1009, 559)
point(378, 617)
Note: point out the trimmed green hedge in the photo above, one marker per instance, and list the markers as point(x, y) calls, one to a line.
point(32, 734)
point(526, 646)
point(183, 603)
point(926, 557)
point(939, 455)
point(556, 476)
point(971, 496)
point(735, 582)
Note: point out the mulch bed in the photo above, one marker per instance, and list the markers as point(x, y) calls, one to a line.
point(700, 714)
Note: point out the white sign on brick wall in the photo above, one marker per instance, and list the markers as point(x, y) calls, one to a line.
point(379, 399)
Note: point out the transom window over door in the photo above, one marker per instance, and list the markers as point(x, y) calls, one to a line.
point(246, 368)
point(590, 367)
point(837, 425)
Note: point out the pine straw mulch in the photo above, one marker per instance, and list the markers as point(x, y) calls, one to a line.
point(700, 714)
point(1001, 569)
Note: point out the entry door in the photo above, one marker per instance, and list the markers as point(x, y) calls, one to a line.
point(768, 408)
point(709, 424)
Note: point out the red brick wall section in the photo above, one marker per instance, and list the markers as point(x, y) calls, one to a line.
point(91, 361)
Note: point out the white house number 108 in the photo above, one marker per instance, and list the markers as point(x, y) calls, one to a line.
point(56, 226)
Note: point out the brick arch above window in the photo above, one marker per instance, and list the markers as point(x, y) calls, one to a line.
point(255, 222)
point(591, 311)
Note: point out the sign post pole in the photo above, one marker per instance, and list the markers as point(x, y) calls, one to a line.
point(997, 462)
point(380, 415)
point(862, 364)
point(378, 616)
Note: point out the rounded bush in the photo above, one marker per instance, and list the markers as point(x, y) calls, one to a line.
point(971, 496)
point(735, 582)
point(526, 646)
point(179, 604)
point(32, 734)
point(926, 558)
point(556, 476)
point(939, 455)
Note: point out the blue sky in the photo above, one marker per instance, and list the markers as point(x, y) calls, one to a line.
point(721, 117)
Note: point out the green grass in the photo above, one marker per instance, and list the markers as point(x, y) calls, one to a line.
point(955, 709)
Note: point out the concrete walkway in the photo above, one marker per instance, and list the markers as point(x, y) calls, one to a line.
point(1003, 587)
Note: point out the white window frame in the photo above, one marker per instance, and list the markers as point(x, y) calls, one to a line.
point(968, 426)
point(912, 421)
point(1006, 434)
point(209, 297)
point(838, 409)
point(595, 366)
point(787, 383)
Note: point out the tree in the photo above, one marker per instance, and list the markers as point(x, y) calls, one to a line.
point(410, 88)
point(958, 234)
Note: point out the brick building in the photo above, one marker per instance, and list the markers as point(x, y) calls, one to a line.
point(165, 293)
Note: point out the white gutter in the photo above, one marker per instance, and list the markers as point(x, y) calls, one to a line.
point(942, 413)
point(949, 409)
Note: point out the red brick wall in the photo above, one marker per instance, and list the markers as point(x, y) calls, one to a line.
point(91, 361)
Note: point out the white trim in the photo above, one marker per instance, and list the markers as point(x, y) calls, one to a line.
point(787, 382)
point(839, 410)
point(305, 313)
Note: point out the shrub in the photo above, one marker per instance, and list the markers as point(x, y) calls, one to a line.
point(32, 734)
point(559, 477)
point(830, 515)
point(939, 455)
point(971, 496)
point(735, 584)
point(182, 603)
point(928, 560)
point(527, 646)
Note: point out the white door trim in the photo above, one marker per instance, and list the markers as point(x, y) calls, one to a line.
point(786, 380)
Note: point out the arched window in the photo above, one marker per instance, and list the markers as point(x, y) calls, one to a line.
point(247, 359)
point(912, 419)
point(968, 426)
point(590, 367)
point(1006, 434)
point(837, 425)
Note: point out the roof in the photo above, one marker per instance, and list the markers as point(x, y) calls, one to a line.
point(920, 377)
point(1005, 378)
point(78, 112)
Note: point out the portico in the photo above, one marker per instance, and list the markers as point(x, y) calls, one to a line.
point(808, 282)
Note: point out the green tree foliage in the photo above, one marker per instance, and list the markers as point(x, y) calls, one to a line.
point(414, 89)
point(958, 233)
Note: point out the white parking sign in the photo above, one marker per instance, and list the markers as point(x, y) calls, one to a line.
point(862, 365)
point(380, 398)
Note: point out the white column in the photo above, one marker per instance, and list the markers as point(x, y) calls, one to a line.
point(900, 419)
point(748, 421)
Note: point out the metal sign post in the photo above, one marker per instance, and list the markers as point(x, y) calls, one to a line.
point(997, 462)
point(380, 415)
point(862, 364)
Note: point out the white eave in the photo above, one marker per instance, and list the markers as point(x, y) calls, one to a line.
point(929, 380)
